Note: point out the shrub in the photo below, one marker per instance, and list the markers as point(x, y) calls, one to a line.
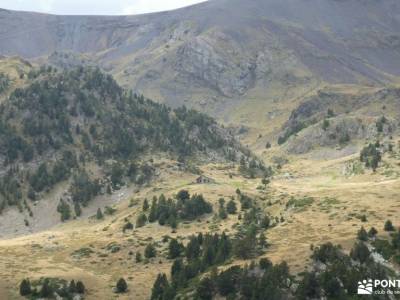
point(388, 226)
point(121, 286)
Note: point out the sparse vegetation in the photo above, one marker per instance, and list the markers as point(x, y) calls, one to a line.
point(48, 288)
point(371, 156)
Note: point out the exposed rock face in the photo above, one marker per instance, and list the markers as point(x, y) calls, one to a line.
point(221, 48)
point(230, 72)
point(340, 132)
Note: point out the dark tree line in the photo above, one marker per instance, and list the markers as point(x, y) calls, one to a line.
point(48, 287)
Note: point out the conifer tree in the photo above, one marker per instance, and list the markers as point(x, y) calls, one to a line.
point(231, 207)
point(99, 214)
point(145, 205)
point(150, 251)
point(160, 285)
point(80, 287)
point(121, 286)
point(25, 287)
point(174, 249)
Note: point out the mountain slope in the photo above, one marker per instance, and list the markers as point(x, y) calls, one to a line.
point(217, 54)
point(71, 136)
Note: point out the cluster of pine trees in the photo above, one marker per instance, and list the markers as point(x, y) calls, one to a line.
point(339, 277)
point(48, 288)
point(85, 111)
point(170, 211)
point(201, 252)
point(371, 156)
point(256, 281)
point(252, 168)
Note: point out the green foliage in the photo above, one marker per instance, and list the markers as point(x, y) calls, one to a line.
point(201, 252)
point(85, 111)
point(47, 288)
point(80, 287)
point(41, 179)
point(380, 123)
point(362, 234)
point(145, 205)
point(99, 214)
point(371, 156)
point(160, 287)
point(372, 232)
point(384, 248)
point(205, 289)
point(300, 202)
point(83, 189)
point(141, 220)
point(175, 249)
point(121, 286)
point(127, 226)
point(168, 211)
point(293, 130)
point(77, 209)
point(252, 167)
point(109, 210)
point(65, 210)
point(341, 272)
point(360, 252)
point(325, 124)
point(25, 287)
point(231, 207)
point(150, 251)
point(388, 226)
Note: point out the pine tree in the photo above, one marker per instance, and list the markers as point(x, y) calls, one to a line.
point(231, 207)
point(192, 248)
point(121, 286)
point(80, 287)
point(262, 240)
point(372, 232)
point(265, 222)
point(46, 290)
point(174, 249)
point(153, 211)
point(109, 191)
point(72, 287)
point(222, 213)
point(362, 234)
point(77, 208)
point(205, 289)
point(160, 285)
point(145, 205)
point(360, 252)
point(25, 287)
point(64, 209)
point(388, 226)
point(150, 251)
point(99, 214)
point(141, 220)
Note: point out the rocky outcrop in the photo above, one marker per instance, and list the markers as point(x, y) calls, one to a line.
point(338, 132)
point(218, 62)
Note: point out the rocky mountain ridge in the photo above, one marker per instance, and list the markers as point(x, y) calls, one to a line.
point(206, 54)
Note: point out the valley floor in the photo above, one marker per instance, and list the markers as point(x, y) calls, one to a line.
point(338, 200)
